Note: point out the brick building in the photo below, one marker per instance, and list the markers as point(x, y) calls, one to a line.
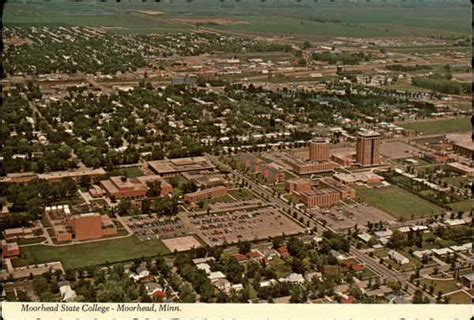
point(461, 168)
point(272, 172)
point(129, 188)
point(206, 180)
point(461, 143)
point(345, 191)
point(344, 158)
point(325, 193)
point(173, 167)
point(322, 198)
point(353, 178)
point(368, 148)
point(309, 167)
point(319, 149)
point(67, 227)
point(120, 188)
point(165, 187)
point(205, 194)
point(22, 233)
point(56, 176)
point(298, 185)
point(90, 226)
point(10, 249)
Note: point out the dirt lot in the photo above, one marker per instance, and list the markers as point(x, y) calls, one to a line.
point(399, 150)
point(462, 77)
point(182, 243)
point(151, 13)
point(215, 21)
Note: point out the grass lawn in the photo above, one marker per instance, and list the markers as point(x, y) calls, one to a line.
point(205, 203)
point(366, 274)
point(460, 298)
point(242, 194)
point(131, 172)
point(227, 198)
point(280, 187)
point(89, 254)
point(439, 126)
point(398, 202)
point(445, 286)
point(292, 198)
point(281, 269)
point(465, 205)
point(22, 242)
point(458, 181)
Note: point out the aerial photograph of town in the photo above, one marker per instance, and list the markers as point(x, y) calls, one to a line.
point(236, 151)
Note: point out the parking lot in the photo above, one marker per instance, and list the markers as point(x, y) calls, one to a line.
point(151, 228)
point(346, 216)
point(230, 227)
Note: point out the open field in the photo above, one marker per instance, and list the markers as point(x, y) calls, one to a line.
point(460, 297)
point(82, 14)
point(307, 18)
point(465, 205)
point(445, 286)
point(399, 150)
point(82, 255)
point(398, 202)
point(458, 181)
point(242, 194)
point(439, 126)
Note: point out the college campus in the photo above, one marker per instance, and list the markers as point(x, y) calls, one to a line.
point(151, 156)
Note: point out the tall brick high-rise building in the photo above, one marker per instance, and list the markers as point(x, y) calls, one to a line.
point(368, 148)
point(319, 149)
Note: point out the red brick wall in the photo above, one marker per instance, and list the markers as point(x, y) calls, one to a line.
point(87, 228)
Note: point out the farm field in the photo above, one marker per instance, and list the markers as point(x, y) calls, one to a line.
point(439, 126)
point(87, 14)
point(82, 255)
point(398, 202)
point(304, 18)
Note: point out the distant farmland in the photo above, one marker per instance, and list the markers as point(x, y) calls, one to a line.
point(322, 19)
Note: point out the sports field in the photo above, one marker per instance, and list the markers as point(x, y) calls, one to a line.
point(440, 126)
point(82, 255)
point(398, 202)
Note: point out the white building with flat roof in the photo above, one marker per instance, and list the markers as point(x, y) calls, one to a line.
point(398, 257)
